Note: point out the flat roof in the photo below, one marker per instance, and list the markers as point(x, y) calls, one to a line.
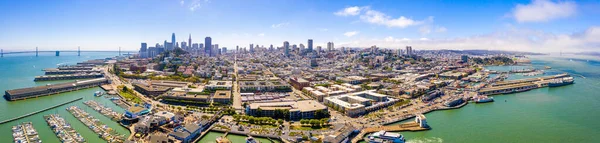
point(304, 105)
point(51, 86)
point(222, 94)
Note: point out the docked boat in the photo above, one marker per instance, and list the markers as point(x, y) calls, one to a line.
point(548, 67)
point(561, 82)
point(249, 139)
point(25, 133)
point(483, 99)
point(386, 137)
point(98, 93)
point(222, 140)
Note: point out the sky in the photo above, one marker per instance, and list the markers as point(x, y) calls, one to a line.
point(543, 26)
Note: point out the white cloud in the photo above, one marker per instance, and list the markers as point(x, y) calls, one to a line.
point(261, 34)
point(544, 10)
point(350, 33)
point(323, 29)
point(510, 39)
point(194, 4)
point(182, 2)
point(349, 11)
point(371, 16)
point(425, 29)
point(279, 25)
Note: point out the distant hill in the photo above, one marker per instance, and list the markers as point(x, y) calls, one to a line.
point(489, 52)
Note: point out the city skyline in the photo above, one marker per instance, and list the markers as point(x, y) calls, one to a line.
point(533, 26)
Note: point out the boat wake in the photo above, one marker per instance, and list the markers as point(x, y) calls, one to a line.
point(425, 140)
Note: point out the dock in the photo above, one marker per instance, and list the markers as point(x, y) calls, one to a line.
point(55, 72)
point(95, 125)
point(33, 113)
point(68, 76)
point(529, 80)
point(108, 112)
point(412, 126)
point(50, 89)
point(62, 129)
point(25, 133)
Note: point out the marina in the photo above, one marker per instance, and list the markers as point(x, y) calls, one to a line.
point(108, 112)
point(25, 133)
point(63, 130)
point(95, 125)
point(33, 113)
point(68, 76)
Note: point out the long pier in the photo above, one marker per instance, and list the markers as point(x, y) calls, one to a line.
point(32, 92)
point(68, 76)
point(529, 80)
point(55, 72)
point(39, 111)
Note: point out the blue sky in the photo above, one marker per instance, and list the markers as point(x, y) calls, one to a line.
point(541, 25)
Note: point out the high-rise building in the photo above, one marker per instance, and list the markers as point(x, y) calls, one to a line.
point(271, 48)
point(302, 47)
point(294, 47)
point(330, 46)
point(190, 41)
point(409, 51)
point(318, 48)
point(310, 45)
point(208, 46)
point(286, 46)
point(143, 51)
point(173, 42)
point(224, 50)
point(251, 48)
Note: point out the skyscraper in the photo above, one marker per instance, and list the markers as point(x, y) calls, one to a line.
point(271, 47)
point(286, 46)
point(409, 50)
point(208, 46)
point(251, 48)
point(173, 41)
point(330, 46)
point(190, 41)
point(143, 50)
point(310, 45)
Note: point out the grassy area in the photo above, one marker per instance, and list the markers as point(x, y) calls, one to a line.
point(130, 97)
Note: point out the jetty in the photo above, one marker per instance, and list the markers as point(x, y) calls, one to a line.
point(50, 89)
point(33, 113)
point(62, 129)
point(95, 125)
point(529, 80)
point(68, 76)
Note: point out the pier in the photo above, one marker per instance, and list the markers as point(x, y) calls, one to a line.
point(31, 92)
point(520, 85)
point(108, 112)
point(55, 72)
point(62, 129)
point(529, 80)
point(68, 76)
point(33, 113)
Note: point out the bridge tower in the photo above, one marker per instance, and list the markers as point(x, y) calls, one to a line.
point(36, 51)
point(57, 53)
point(78, 51)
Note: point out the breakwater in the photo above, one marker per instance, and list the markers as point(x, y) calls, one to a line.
point(33, 113)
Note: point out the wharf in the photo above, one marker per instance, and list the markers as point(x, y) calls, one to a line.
point(55, 72)
point(31, 92)
point(33, 113)
point(68, 76)
point(529, 80)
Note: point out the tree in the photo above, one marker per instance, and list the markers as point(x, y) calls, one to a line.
point(280, 121)
point(125, 89)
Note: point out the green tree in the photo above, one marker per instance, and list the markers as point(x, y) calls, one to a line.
point(280, 121)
